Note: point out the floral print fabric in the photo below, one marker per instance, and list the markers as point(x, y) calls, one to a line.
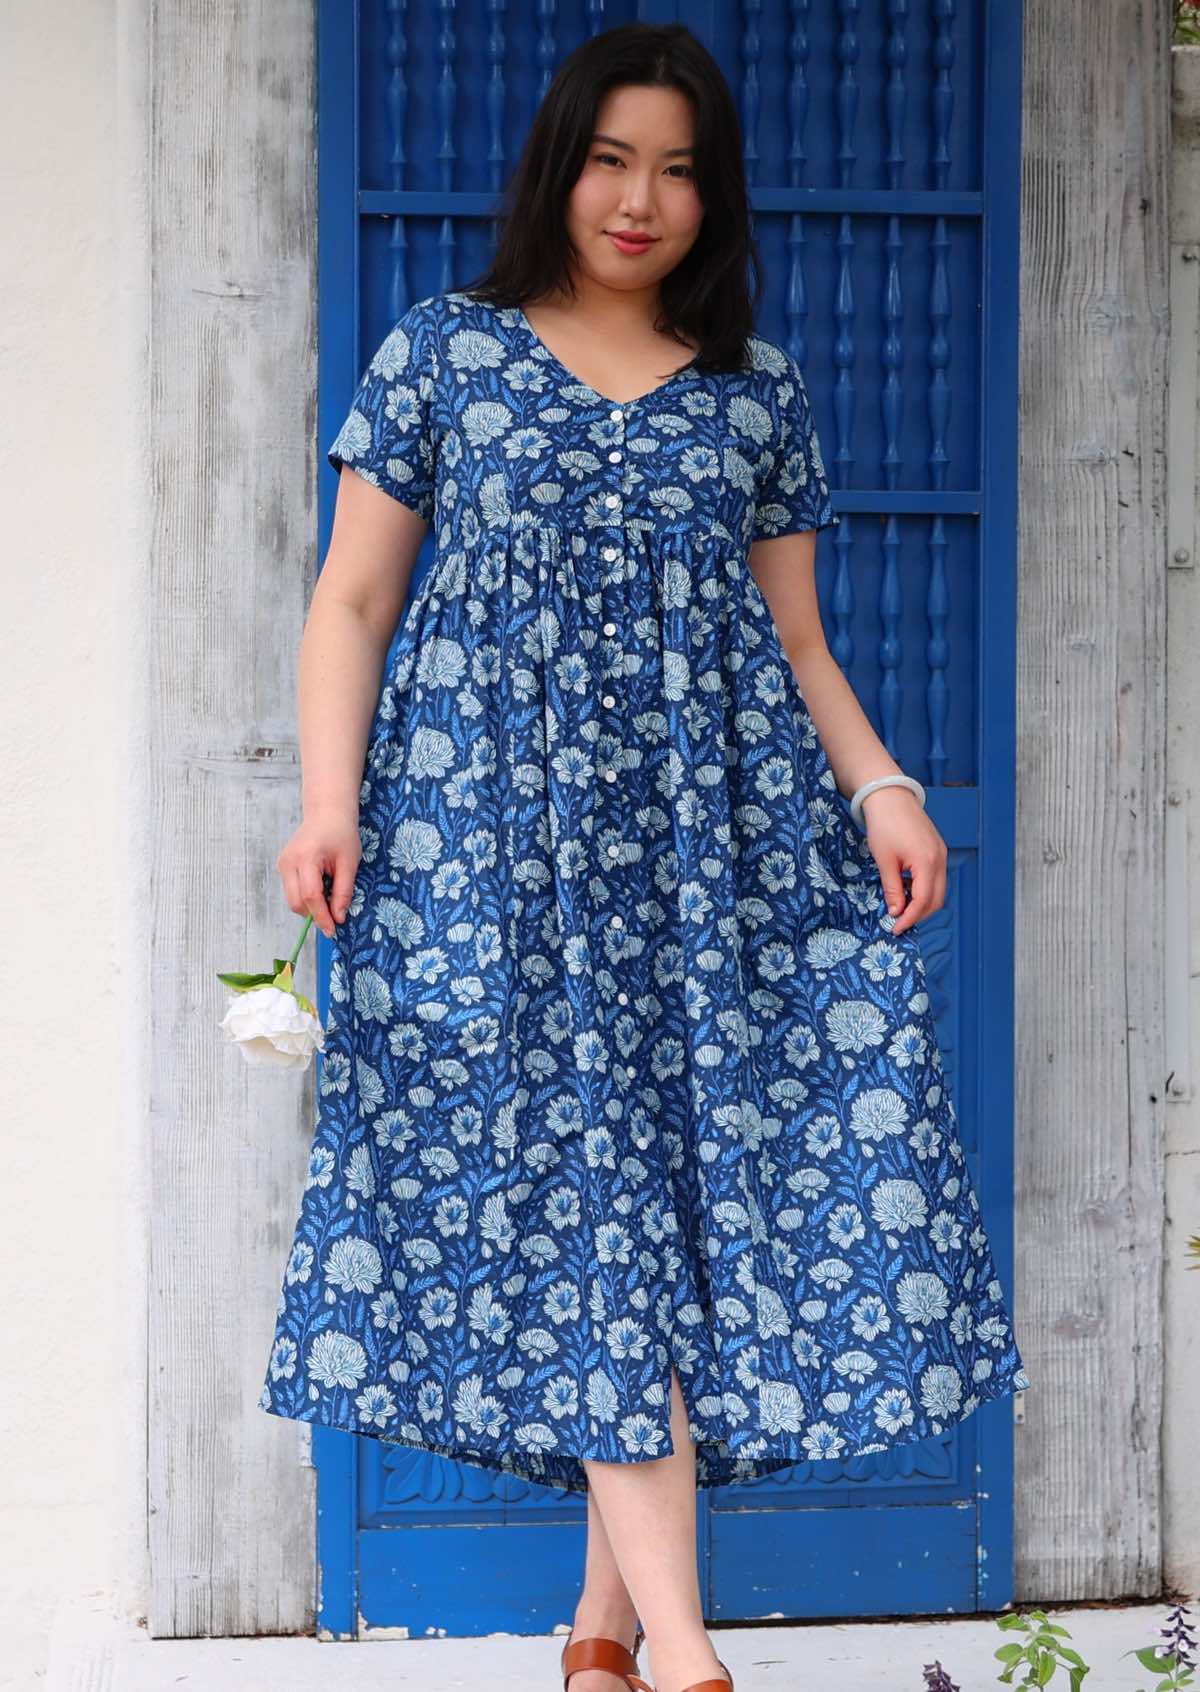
point(625, 1065)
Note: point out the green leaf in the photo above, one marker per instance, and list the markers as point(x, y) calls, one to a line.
point(1150, 1658)
point(235, 978)
point(1066, 1655)
point(1010, 1653)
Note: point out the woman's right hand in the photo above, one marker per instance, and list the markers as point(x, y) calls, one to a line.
point(327, 844)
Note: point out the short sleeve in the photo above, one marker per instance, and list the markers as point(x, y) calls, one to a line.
point(793, 495)
point(388, 435)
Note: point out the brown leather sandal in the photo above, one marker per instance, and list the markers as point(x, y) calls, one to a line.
point(713, 1685)
point(597, 1652)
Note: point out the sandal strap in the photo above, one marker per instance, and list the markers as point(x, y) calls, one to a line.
point(713, 1685)
point(596, 1652)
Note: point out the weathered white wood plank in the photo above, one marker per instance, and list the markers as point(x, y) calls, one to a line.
point(1091, 793)
point(1181, 1330)
point(232, 188)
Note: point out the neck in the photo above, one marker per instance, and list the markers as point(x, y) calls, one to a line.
point(613, 311)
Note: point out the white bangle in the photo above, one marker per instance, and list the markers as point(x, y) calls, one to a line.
point(856, 804)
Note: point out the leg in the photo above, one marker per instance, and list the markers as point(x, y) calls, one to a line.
point(604, 1606)
point(649, 1513)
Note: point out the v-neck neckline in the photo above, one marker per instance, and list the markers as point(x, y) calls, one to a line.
point(578, 382)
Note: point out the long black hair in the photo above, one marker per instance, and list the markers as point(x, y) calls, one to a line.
point(708, 295)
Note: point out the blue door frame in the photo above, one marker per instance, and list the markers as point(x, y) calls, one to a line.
point(883, 153)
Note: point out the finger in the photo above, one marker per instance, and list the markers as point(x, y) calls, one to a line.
point(893, 886)
point(343, 886)
point(903, 921)
point(312, 891)
point(922, 890)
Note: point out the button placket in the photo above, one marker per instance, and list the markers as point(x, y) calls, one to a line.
point(612, 551)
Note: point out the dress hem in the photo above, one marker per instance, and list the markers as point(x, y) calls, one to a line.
point(726, 1469)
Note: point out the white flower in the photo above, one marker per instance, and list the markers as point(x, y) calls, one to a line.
point(273, 1028)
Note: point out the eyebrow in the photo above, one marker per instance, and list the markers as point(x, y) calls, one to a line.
point(671, 152)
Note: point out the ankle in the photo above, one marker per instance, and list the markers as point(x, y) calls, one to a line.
point(609, 1614)
point(683, 1658)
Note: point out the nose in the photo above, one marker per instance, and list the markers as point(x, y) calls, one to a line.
point(637, 199)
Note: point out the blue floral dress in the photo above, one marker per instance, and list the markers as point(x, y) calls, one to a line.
point(625, 1066)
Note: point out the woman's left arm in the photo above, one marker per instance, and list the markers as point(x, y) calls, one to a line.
point(900, 835)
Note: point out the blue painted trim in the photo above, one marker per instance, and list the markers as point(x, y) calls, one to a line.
point(335, 1457)
point(997, 757)
point(338, 58)
point(337, 235)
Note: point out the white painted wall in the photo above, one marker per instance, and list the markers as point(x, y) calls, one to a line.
point(158, 362)
point(74, 502)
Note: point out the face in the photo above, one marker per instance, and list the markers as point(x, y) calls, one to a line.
point(638, 179)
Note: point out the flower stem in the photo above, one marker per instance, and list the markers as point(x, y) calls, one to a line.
point(308, 922)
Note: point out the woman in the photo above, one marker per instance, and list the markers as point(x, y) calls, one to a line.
point(635, 1169)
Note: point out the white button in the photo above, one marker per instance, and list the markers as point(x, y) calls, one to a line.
point(618, 921)
point(610, 552)
point(610, 628)
point(630, 1070)
point(610, 775)
point(608, 699)
point(615, 414)
point(613, 499)
point(614, 851)
point(622, 998)
point(614, 458)
point(642, 1142)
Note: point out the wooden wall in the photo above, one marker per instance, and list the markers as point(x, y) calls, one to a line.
point(1091, 793)
point(232, 400)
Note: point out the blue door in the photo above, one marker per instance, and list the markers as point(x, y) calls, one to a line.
point(882, 148)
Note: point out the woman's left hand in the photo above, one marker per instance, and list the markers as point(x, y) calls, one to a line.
point(902, 838)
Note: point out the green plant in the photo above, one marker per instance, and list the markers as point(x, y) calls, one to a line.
point(936, 1678)
point(1043, 1656)
point(1179, 1658)
point(1187, 24)
point(1041, 1653)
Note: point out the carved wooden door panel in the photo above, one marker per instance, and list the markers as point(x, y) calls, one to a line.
point(882, 149)
point(882, 145)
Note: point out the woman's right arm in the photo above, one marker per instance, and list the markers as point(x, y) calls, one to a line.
point(356, 605)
